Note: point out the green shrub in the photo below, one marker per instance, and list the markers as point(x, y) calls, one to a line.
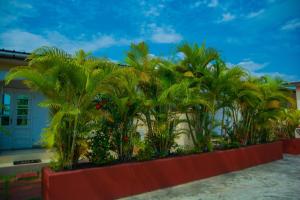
point(285, 124)
point(162, 142)
point(187, 151)
point(99, 148)
point(146, 151)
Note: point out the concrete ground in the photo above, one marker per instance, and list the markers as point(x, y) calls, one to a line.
point(275, 180)
point(8, 157)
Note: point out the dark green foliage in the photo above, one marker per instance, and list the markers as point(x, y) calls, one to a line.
point(99, 144)
point(161, 143)
point(146, 152)
point(121, 125)
point(186, 151)
point(284, 126)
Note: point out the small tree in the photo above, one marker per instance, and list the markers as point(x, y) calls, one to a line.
point(69, 84)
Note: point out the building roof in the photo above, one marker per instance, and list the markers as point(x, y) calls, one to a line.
point(21, 55)
point(296, 83)
point(12, 54)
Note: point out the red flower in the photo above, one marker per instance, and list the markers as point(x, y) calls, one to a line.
point(125, 138)
point(98, 106)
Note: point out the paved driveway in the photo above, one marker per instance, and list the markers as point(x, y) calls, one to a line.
point(276, 180)
point(8, 157)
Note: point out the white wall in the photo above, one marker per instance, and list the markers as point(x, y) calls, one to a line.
point(182, 140)
point(298, 97)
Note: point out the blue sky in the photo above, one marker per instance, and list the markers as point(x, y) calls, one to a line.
point(260, 35)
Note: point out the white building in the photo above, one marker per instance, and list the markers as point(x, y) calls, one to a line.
point(21, 119)
point(297, 84)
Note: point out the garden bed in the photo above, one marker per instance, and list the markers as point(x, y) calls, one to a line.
point(291, 146)
point(127, 179)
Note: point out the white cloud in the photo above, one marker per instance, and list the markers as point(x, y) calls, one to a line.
point(226, 17)
point(208, 3)
point(22, 40)
point(164, 34)
point(213, 3)
point(151, 56)
point(291, 25)
point(114, 61)
point(153, 11)
point(286, 77)
point(255, 14)
point(180, 55)
point(26, 41)
point(256, 69)
point(150, 10)
point(197, 4)
point(14, 10)
point(251, 65)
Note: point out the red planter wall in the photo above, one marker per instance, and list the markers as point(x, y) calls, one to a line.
point(133, 178)
point(291, 146)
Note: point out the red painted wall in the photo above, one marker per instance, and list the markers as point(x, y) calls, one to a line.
point(133, 178)
point(291, 146)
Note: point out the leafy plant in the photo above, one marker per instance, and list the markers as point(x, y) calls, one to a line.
point(70, 84)
point(145, 151)
point(156, 76)
point(186, 151)
point(99, 144)
point(285, 124)
point(124, 103)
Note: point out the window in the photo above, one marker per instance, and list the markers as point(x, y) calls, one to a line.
point(22, 110)
point(5, 109)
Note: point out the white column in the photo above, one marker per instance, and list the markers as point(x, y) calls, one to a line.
point(298, 97)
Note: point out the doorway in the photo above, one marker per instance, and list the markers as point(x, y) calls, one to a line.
point(16, 119)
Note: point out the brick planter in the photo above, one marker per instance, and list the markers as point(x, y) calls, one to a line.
point(291, 146)
point(122, 180)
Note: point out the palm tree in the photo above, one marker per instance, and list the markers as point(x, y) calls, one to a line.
point(255, 103)
point(125, 103)
point(285, 123)
point(195, 67)
point(275, 98)
point(158, 113)
point(242, 95)
point(69, 84)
